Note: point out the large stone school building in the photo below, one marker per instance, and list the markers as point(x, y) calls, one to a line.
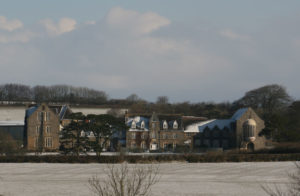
point(161, 132)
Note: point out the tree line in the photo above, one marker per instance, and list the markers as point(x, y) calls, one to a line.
point(271, 102)
point(55, 93)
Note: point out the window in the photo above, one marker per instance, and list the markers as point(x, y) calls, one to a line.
point(165, 145)
point(143, 145)
point(174, 135)
point(133, 125)
point(132, 135)
point(82, 134)
point(153, 125)
point(143, 125)
point(48, 142)
point(174, 145)
point(153, 135)
point(133, 145)
point(207, 143)
point(197, 142)
point(216, 144)
point(143, 135)
point(37, 129)
point(47, 116)
point(48, 129)
point(175, 125)
point(39, 116)
point(164, 136)
point(165, 125)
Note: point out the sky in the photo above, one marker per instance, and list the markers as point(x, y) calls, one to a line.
point(191, 50)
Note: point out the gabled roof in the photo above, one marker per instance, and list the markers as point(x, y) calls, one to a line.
point(138, 121)
point(239, 113)
point(199, 127)
point(30, 111)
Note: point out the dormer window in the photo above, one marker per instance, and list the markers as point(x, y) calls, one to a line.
point(165, 125)
point(143, 124)
point(175, 125)
point(133, 125)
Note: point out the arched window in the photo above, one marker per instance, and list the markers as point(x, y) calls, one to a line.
point(143, 124)
point(165, 125)
point(175, 125)
point(249, 128)
point(133, 125)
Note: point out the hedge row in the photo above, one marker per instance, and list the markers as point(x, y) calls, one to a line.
point(191, 158)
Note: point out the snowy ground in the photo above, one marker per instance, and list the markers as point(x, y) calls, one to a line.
point(29, 179)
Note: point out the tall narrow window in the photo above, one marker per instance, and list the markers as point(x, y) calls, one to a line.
point(47, 116)
point(37, 129)
point(48, 129)
point(40, 116)
point(132, 135)
point(153, 135)
point(48, 142)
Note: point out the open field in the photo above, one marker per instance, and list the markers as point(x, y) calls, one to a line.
point(29, 179)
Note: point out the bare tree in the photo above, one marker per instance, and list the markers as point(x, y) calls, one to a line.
point(122, 180)
point(292, 189)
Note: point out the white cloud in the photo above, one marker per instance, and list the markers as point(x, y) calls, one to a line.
point(135, 22)
point(22, 37)
point(63, 26)
point(10, 25)
point(228, 33)
point(122, 55)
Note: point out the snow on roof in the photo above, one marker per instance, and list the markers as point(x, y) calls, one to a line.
point(194, 128)
point(199, 127)
point(138, 121)
point(11, 123)
point(238, 114)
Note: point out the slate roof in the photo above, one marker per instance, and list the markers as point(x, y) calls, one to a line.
point(58, 110)
point(220, 123)
point(138, 120)
point(30, 111)
point(239, 113)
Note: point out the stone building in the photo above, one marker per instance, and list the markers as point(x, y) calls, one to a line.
point(156, 132)
point(241, 131)
point(166, 132)
point(42, 127)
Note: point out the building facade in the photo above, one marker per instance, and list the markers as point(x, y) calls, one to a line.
point(241, 131)
point(161, 132)
point(156, 132)
point(42, 128)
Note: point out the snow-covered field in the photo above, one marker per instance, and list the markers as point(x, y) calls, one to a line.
point(29, 179)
